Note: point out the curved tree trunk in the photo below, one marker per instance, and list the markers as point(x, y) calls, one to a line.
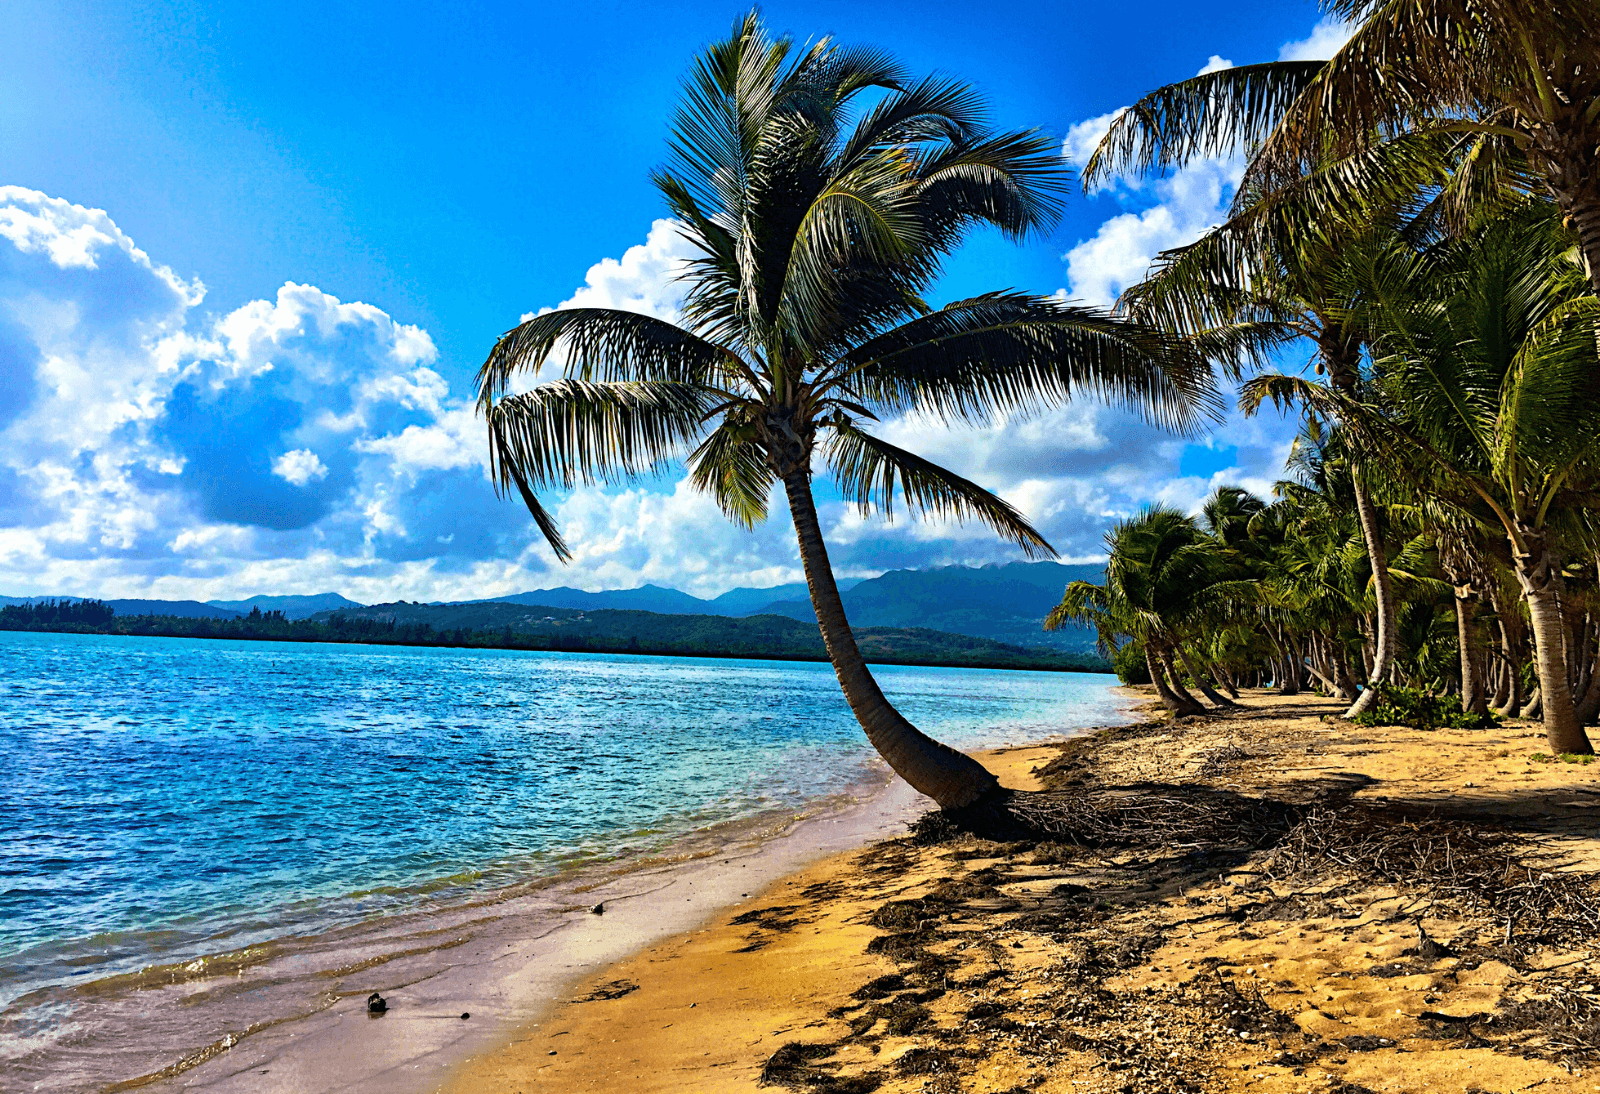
point(1538, 575)
point(1532, 708)
point(948, 777)
point(1169, 698)
point(1383, 590)
point(1341, 670)
point(1190, 704)
point(1200, 682)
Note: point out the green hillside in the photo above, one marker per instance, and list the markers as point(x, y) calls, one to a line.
point(773, 636)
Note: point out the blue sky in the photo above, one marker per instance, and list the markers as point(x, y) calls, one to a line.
point(250, 256)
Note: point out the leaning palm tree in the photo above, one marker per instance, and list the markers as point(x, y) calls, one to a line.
point(1514, 83)
point(821, 189)
point(1162, 573)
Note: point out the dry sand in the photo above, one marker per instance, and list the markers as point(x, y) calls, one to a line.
point(1203, 959)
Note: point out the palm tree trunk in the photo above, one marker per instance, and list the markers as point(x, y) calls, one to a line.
point(1383, 590)
point(1538, 575)
point(1572, 181)
point(1474, 697)
point(1159, 678)
point(1341, 671)
point(937, 770)
point(1180, 701)
point(1200, 682)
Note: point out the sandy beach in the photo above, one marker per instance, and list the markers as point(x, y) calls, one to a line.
point(1270, 901)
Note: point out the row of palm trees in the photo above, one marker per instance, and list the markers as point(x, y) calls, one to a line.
point(1461, 408)
point(1416, 212)
point(822, 186)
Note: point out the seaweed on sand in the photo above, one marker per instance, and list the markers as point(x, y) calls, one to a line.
point(1512, 876)
point(792, 1066)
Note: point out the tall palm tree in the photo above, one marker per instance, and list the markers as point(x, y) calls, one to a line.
point(821, 188)
point(1513, 83)
point(1488, 393)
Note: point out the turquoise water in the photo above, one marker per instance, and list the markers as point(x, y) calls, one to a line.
point(163, 798)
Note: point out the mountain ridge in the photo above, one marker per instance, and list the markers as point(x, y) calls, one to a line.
point(1002, 603)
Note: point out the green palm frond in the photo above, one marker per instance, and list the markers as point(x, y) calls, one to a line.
point(731, 466)
point(982, 359)
point(868, 470)
point(573, 432)
point(604, 345)
point(1209, 115)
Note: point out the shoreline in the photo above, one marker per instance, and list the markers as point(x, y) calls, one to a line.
point(231, 1012)
point(1015, 764)
point(485, 962)
point(416, 1046)
point(504, 962)
point(1202, 943)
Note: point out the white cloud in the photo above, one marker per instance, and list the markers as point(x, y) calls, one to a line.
point(1120, 252)
point(299, 466)
point(1326, 38)
point(1084, 137)
point(1215, 64)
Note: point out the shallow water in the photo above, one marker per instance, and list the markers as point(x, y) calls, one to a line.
point(164, 799)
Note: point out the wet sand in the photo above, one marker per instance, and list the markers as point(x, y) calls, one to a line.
point(1191, 962)
point(505, 963)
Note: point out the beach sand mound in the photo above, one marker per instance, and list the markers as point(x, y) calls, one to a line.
point(1271, 901)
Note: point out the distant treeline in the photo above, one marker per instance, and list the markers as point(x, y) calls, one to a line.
point(758, 637)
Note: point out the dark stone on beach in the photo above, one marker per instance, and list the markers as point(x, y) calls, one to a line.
point(376, 1004)
point(598, 909)
point(465, 1016)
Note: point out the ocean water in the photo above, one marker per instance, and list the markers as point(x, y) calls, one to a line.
point(163, 799)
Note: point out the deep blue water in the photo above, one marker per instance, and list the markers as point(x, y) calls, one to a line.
point(162, 796)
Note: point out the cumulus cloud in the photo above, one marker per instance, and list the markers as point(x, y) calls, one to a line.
point(302, 443)
point(299, 466)
point(1326, 38)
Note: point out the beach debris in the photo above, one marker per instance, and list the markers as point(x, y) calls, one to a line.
point(465, 1015)
point(614, 990)
point(598, 909)
point(376, 1004)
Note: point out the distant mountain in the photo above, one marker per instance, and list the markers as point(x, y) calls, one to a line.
point(187, 609)
point(1002, 603)
point(633, 631)
point(293, 607)
point(654, 598)
point(646, 598)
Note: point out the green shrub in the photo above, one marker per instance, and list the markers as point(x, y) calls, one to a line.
point(1565, 757)
point(1130, 665)
point(1421, 710)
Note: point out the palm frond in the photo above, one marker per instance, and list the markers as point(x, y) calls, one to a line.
point(869, 469)
point(981, 359)
point(603, 345)
point(572, 432)
point(1213, 114)
point(731, 466)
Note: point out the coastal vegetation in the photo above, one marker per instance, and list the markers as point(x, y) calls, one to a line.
point(563, 630)
point(1422, 211)
point(822, 187)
